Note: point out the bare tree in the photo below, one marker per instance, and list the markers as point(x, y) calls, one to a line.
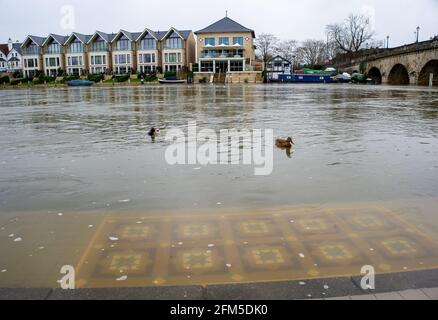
point(352, 34)
point(287, 49)
point(331, 50)
point(266, 44)
point(311, 52)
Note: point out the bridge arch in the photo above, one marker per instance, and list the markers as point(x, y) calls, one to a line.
point(375, 75)
point(424, 76)
point(398, 75)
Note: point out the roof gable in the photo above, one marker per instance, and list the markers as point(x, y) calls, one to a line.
point(225, 25)
point(183, 34)
point(59, 39)
point(107, 37)
point(145, 33)
point(278, 57)
point(125, 33)
point(36, 40)
point(81, 37)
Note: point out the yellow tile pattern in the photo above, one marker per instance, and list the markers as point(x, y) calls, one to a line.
point(253, 247)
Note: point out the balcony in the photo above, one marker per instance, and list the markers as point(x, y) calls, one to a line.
point(52, 51)
point(32, 52)
point(237, 54)
point(99, 49)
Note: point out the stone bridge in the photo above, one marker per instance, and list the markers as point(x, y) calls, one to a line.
point(415, 64)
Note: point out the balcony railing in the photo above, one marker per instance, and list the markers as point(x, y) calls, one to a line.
point(99, 49)
point(221, 55)
point(31, 52)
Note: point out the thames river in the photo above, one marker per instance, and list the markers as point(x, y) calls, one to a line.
point(76, 165)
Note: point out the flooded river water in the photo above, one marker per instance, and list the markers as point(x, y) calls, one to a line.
point(82, 184)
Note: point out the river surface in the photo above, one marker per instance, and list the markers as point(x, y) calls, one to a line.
point(70, 157)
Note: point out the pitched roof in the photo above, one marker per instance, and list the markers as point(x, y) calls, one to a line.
point(108, 37)
point(4, 48)
point(183, 33)
point(37, 40)
point(129, 35)
point(17, 47)
point(225, 25)
point(278, 56)
point(84, 38)
point(147, 31)
point(60, 39)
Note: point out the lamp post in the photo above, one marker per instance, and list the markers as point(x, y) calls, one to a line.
point(387, 42)
point(418, 33)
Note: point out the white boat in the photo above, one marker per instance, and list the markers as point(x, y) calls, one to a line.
point(168, 81)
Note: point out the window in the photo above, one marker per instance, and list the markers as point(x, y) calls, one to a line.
point(52, 62)
point(74, 61)
point(224, 41)
point(209, 42)
point(99, 45)
point(147, 44)
point(76, 47)
point(207, 66)
point(238, 41)
point(98, 60)
point(123, 45)
point(147, 58)
point(147, 69)
point(30, 63)
point(174, 43)
point(236, 66)
point(122, 59)
point(32, 49)
point(172, 57)
point(53, 48)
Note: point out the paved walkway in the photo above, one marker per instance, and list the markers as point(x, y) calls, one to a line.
point(414, 294)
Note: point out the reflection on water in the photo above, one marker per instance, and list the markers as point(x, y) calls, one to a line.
point(85, 153)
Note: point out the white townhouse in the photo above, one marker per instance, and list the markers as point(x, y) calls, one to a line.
point(10, 57)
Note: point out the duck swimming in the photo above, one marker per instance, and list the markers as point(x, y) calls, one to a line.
point(284, 144)
point(153, 133)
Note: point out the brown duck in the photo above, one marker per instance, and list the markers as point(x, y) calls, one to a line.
point(284, 144)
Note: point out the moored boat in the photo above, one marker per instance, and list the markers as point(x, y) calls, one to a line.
point(164, 81)
point(80, 83)
point(306, 78)
point(171, 80)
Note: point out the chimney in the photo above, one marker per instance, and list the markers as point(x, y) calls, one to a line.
point(9, 44)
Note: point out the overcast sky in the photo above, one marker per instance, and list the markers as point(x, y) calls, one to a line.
point(288, 19)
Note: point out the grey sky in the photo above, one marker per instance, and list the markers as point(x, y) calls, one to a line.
point(288, 19)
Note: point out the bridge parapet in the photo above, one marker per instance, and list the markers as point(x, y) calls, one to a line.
point(386, 53)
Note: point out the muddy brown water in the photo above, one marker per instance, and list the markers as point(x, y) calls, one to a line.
point(77, 170)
